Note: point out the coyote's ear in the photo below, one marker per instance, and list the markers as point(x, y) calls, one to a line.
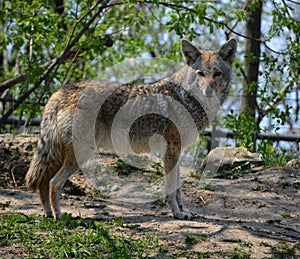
point(227, 51)
point(189, 51)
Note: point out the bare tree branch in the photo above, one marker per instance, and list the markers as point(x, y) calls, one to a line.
point(11, 82)
point(294, 2)
point(229, 29)
point(55, 63)
point(245, 6)
point(23, 77)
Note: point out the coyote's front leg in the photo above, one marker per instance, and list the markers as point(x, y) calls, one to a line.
point(172, 182)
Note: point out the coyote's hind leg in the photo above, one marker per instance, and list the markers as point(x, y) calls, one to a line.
point(57, 183)
point(44, 197)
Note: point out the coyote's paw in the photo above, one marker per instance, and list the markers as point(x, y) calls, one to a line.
point(184, 215)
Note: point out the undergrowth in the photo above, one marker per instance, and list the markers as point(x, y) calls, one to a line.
point(28, 236)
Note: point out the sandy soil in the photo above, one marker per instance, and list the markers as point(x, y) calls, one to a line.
point(256, 212)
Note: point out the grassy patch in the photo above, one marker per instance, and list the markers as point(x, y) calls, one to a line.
point(274, 221)
point(31, 236)
point(295, 185)
point(207, 187)
point(287, 214)
point(123, 168)
point(196, 175)
point(240, 253)
point(232, 171)
point(278, 157)
point(4, 205)
point(284, 250)
point(193, 239)
point(257, 188)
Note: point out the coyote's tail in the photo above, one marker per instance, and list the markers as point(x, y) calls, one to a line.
point(47, 158)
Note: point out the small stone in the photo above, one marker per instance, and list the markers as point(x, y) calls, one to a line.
point(294, 163)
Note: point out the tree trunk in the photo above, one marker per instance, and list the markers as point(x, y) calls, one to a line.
point(252, 54)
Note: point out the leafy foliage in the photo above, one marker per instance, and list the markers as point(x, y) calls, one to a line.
point(44, 46)
point(277, 84)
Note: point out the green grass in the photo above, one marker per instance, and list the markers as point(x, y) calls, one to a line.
point(231, 171)
point(190, 239)
point(124, 168)
point(283, 250)
point(286, 184)
point(31, 236)
point(287, 214)
point(278, 157)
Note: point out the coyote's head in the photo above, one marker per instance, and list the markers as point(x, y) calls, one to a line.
point(209, 71)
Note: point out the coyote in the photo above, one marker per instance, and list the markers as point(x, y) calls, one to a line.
point(192, 92)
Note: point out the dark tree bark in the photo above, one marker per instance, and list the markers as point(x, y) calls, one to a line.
point(251, 61)
point(59, 6)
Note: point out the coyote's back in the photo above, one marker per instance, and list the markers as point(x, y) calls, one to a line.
point(125, 117)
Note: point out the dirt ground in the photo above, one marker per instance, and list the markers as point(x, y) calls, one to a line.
point(256, 212)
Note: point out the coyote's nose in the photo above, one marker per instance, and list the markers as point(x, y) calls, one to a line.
point(208, 92)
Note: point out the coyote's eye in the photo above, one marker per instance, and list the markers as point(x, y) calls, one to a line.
point(200, 73)
point(219, 73)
